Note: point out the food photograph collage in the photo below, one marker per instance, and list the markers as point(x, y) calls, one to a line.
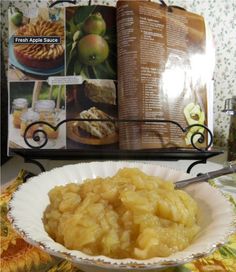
point(87, 49)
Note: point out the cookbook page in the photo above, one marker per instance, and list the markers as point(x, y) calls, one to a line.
point(161, 75)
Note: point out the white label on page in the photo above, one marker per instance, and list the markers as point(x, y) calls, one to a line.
point(65, 80)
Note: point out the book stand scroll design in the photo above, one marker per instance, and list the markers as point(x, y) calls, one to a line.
point(40, 138)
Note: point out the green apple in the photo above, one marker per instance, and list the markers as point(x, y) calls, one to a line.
point(92, 49)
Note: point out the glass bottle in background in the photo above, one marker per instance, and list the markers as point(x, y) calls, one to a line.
point(230, 109)
point(28, 118)
point(46, 111)
point(19, 106)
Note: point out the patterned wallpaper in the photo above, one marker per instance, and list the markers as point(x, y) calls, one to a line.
point(221, 18)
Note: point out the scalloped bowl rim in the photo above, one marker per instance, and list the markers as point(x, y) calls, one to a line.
point(22, 222)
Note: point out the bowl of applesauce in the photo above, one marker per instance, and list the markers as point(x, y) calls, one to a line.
point(121, 216)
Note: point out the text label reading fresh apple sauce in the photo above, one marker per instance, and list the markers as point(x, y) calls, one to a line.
point(36, 40)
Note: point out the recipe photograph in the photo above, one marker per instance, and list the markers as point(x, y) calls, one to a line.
point(91, 42)
point(93, 99)
point(36, 101)
point(36, 59)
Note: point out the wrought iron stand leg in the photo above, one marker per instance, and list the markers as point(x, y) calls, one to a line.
point(195, 163)
point(27, 176)
point(41, 167)
point(28, 160)
point(30, 175)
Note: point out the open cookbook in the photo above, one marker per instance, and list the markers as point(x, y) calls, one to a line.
point(129, 64)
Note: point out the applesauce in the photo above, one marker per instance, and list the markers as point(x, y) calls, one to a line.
point(129, 215)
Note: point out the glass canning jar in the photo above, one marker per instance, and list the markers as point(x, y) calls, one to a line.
point(230, 109)
point(46, 110)
point(28, 118)
point(19, 106)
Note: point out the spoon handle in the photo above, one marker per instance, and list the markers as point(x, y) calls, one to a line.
point(210, 175)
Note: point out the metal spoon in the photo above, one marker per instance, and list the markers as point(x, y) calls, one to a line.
point(205, 177)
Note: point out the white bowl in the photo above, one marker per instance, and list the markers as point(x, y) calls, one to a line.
point(216, 216)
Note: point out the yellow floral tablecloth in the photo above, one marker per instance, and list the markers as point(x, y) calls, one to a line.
point(19, 256)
